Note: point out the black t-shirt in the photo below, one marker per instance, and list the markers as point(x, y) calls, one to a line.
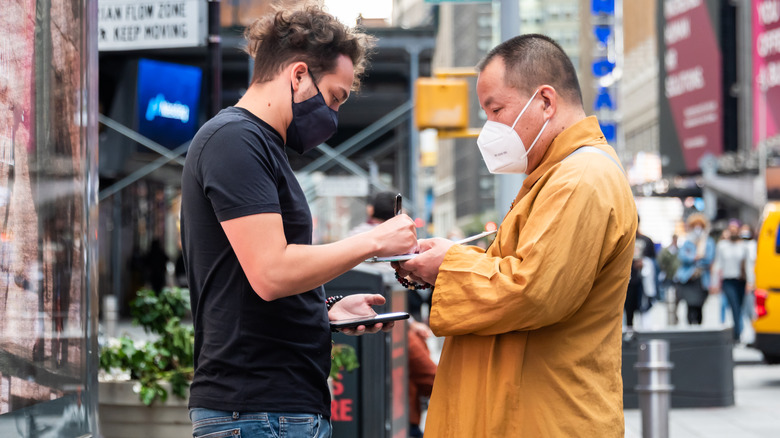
point(250, 355)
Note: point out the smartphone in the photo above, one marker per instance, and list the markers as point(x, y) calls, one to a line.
point(367, 321)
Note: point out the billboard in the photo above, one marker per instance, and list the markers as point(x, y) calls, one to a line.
point(691, 84)
point(167, 101)
point(766, 71)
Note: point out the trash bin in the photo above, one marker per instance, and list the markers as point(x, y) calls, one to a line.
point(372, 401)
point(703, 373)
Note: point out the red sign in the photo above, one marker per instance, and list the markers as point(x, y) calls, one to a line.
point(693, 84)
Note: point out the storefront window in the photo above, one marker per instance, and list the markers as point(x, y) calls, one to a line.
point(48, 346)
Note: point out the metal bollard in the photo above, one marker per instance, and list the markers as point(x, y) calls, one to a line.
point(654, 387)
point(110, 315)
point(671, 305)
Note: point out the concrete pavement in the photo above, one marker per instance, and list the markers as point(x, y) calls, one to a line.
point(756, 412)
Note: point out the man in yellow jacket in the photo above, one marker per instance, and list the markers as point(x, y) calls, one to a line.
point(533, 324)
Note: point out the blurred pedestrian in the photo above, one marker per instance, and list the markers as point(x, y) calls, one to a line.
point(641, 286)
point(379, 208)
point(747, 236)
point(667, 266)
point(733, 268)
point(533, 323)
point(156, 265)
point(422, 371)
point(693, 275)
point(262, 338)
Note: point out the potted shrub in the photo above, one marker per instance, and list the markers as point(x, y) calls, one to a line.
point(135, 374)
point(342, 358)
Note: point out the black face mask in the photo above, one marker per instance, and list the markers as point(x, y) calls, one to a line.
point(313, 122)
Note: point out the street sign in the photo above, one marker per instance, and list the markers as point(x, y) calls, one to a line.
point(604, 100)
point(160, 24)
point(602, 7)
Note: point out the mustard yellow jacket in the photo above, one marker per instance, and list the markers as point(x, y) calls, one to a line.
point(533, 325)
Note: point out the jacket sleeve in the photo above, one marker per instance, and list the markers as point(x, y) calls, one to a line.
point(544, 281)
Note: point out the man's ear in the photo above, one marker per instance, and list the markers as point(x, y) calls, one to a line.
point(551, 100)
point(298, 70)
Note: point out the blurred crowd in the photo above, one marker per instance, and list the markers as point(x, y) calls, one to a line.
point(704, 263)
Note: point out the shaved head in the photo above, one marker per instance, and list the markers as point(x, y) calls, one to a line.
point(533, 60)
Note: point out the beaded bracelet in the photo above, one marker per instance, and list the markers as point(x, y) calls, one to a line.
point(333, 300)
point(411, 284)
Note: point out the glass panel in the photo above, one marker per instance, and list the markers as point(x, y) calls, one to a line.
point(46, 373)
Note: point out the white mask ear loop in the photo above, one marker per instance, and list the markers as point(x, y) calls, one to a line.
point(525, 108)
point(538, 135)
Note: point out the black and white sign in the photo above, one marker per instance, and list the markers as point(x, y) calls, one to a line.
point(160, 24)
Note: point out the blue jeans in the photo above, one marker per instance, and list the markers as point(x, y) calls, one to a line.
point(207, 423)
point(734, 291)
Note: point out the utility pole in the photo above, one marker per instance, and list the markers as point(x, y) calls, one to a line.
point(508, 185)
point(214, 58)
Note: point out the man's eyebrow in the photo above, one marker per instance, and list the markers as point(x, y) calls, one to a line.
point(487, 102)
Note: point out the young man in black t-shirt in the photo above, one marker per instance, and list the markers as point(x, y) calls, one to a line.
point(262, 339)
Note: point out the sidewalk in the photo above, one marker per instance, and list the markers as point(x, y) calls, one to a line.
point(756, 412)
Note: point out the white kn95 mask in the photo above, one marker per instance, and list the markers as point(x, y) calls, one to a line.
point(501, 147)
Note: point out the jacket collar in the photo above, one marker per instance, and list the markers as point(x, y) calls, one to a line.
point(586, 132)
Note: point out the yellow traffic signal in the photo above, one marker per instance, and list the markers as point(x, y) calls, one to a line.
point(442, 103)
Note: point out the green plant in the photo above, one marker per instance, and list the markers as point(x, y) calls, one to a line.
point(166, 358)
point(343, 357)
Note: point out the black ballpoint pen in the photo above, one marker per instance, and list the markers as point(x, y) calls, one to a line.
point(398, 202)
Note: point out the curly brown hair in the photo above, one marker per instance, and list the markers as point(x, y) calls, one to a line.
point(307, 34)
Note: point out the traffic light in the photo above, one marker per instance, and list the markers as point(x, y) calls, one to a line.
point(442, 103)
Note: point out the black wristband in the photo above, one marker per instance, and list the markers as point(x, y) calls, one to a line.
point(333, 300)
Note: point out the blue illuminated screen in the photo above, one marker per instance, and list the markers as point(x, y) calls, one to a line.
point(168, 96)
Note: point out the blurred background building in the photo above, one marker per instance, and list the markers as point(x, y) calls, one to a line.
point(700, 143)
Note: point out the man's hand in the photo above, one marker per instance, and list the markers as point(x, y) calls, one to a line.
point(425, 267)
point(394, 236)
point(358, 306)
